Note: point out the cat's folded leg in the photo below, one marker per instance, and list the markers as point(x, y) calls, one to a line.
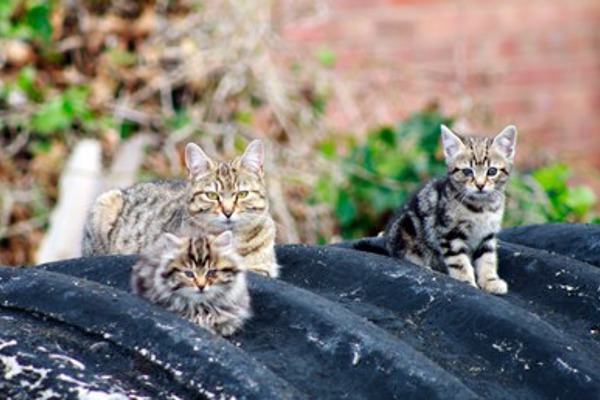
point(266, 271)
point(460, 268)
point(453, 251)
point(486, 265)
point(101, 220)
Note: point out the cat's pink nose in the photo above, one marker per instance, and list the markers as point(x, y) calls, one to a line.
point(228, 213)
point(200, 283)
point(480, 186)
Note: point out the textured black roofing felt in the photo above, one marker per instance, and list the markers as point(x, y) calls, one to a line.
point(343, 321)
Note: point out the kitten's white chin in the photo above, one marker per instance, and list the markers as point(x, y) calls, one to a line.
point(237, 222)
point(221, 223)
point(195, 294)
point(480, 194)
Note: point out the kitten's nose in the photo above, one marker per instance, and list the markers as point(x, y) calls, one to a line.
point(228, 213)
point(201, 283)
point(480, 186)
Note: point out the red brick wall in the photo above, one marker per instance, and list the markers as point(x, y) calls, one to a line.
point(534, 63)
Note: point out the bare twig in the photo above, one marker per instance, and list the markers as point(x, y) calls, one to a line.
point(16, 145)
point(23, 227)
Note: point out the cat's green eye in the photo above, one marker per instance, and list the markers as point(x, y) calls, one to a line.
point(189, 274)
point(492, 171)
point(211, 274)
point(212, 195)
point(242, 194)
point(467, 172)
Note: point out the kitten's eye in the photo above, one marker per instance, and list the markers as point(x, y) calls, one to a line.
point(467, 172)
point(189, 274)
point(492, 171)
point(242, 194)
point(230, 270)
point(212, 195)
point(211, 274)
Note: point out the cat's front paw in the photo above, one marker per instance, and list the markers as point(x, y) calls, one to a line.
point(270, 271)
point(459, 275)
point(471, 283)
point(226, 330)
point(495, 286)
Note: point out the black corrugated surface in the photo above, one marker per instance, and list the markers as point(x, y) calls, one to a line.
point(343, 322)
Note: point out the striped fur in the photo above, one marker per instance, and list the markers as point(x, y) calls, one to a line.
point(200, 278)
point(217, 196)
point(451, 223)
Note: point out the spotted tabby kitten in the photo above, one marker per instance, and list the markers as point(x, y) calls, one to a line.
point(200, 278)
point(217, 196)
point(451, 223)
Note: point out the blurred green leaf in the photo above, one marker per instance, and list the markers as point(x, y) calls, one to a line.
point(33, 23)
point(387, 136)
point(26, 78)
point(324, 192)
point(580, 199)
point(127, 129)
point(346, 210)
point(51, 117)
point(60, 112)
point(122, 57)
point(243, 117)
point(38, 18)
point(328, 148)
point(553, 178)
point(326, 57)
point(180, 120)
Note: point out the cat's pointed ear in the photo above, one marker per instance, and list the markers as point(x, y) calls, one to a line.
point(453, 144)
point(196, 161)
point(224, 241)
point(172, 240)
point(506, 141)
point(254, 157)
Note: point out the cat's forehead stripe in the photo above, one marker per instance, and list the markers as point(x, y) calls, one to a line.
point(479, 150)
point(226, 176)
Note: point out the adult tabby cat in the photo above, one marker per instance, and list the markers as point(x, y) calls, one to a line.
point(217, 196)
point(451, 223)
point(200, 278)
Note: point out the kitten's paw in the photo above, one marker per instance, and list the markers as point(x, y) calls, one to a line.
point(464, 278)
point(495, 286)
point(226, 330)
point(271, 271)
point(471, 282)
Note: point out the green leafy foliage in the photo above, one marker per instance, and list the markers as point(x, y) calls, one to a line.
point(26, 19)
point(62, 111)
point(566, 203)
point(379, 175)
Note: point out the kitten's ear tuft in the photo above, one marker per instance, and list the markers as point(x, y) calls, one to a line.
point(254, 157)
point(506, 141)
point(452, 143)
point(224, 241)
point(196, 161)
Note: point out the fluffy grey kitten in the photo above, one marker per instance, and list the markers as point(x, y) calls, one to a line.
point(200, 278)
point(451, 223)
